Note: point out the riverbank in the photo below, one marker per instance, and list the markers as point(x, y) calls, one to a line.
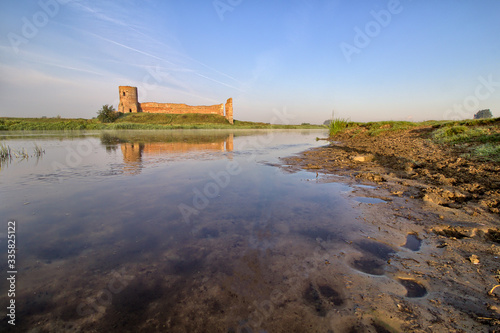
point(440, 183)
point(140, 121)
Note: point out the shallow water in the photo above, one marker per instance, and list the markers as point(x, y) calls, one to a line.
point(179, 230)
point(413, 242)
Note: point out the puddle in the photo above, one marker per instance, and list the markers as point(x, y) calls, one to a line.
point(369, 200)
point(365, 186)
point(413, 242)
point(413, 288)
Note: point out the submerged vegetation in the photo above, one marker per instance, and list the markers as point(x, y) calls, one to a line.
point(7, 154)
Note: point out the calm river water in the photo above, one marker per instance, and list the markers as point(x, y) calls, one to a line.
point(178, 231)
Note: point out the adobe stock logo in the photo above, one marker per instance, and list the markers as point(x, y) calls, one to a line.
point(31, 26)
point(372, 29)
point(470, 104)
point(223, 6)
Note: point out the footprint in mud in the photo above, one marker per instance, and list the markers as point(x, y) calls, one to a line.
point(320, 300)
point(369, 265)
point(413, 288)
point(413, 242)
point(377, 249)
point(311, 296)
point(374, 258)
point(331, 295)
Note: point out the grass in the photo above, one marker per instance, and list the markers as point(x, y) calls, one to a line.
point(488, 151)
point(337, 125)
point(477, 139)
point(39, 151)
point(377, 128)
point(7, 153)
point(370, 128)
point(480, 139)
point(141, 121)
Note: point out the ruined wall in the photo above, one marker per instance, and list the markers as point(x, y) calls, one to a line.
point(229, 110)
point(128, 100)
point(152, 107)
point(129, 103)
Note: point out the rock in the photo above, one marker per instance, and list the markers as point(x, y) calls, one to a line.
point(474, 259)
point(363, 158)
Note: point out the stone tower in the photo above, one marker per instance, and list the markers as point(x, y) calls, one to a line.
point(229, 110)
point(128, 100)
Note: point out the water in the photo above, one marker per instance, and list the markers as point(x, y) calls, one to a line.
point(176, 231)
point(413, 242)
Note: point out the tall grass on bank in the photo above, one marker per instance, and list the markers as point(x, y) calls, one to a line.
point(338, 124)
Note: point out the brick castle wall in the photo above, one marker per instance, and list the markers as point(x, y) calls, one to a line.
point(129, 103)
point(152, 107)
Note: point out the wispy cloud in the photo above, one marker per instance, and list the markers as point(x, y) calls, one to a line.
point(179, 59)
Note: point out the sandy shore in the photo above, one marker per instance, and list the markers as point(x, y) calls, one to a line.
point(429, 193)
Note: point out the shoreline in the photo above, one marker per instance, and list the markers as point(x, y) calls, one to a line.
point(431, 192)
point(141, 122)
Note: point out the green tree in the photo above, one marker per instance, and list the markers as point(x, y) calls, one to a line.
point(486, 113)
point(107, 114)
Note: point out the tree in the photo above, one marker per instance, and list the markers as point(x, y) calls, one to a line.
point(486, 113)
point(327, 122)
point(107, 114)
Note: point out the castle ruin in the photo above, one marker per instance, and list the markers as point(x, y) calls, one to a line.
point(129, 103)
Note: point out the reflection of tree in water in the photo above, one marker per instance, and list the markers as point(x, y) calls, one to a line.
point(110, 142)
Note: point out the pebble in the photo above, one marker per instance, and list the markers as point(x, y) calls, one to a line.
point(474, 259)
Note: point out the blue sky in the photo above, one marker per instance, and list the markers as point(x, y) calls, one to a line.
point(366, 60)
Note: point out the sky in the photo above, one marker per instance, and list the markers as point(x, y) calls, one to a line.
point(306, 59)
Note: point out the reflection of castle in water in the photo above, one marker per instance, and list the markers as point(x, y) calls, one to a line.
point(134, 152)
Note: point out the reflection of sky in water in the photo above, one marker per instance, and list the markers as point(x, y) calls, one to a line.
point(80, 182)
point(108, 210)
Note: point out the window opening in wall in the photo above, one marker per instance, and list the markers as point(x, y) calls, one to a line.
point(124, 93)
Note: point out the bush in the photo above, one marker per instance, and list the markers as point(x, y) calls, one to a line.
point(486, 113)
point(107, 114)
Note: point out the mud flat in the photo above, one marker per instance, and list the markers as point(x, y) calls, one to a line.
point(431, 247)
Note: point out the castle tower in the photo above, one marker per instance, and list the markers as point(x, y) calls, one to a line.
point(229, 110)
point(128, 100)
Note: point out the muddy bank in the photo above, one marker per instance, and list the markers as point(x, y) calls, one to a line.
point(447, 207)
